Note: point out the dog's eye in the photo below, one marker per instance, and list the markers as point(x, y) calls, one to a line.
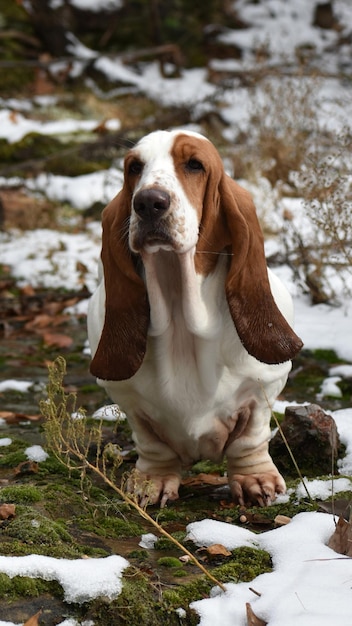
point(135, 167)
point(193, 165)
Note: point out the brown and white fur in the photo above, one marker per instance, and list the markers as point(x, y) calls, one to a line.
point(190, 332)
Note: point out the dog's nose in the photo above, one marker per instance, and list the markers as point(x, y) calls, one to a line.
point(151, 204)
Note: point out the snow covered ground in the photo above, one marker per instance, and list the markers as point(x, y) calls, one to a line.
point(311, 585)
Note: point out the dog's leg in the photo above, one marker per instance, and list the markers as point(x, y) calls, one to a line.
point(253, 477)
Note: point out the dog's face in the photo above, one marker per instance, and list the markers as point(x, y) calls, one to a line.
point(167, 175)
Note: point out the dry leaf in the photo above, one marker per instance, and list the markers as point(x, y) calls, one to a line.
point(7, 510)
point(11, 417)
point(58, 340)
point(42, 320)
point(26, 467)
point(27, 290)
point(218, 550)
point(13, 117)
point(252, 619)
point(205, 479)
point(33, 621)
point(341, 539)
point(282, 520)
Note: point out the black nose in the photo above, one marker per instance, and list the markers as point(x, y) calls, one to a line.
point(150, 204)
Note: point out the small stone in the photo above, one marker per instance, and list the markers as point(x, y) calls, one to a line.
point(282, 520)
point(313, 439)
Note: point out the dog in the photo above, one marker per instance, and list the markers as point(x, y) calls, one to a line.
point(190, 332)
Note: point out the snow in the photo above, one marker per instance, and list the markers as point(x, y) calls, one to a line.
point(109, 413)
point(310, 584)
point(36, 453)
point(5, 441)
point(14, 126)
point(208, 532)
point(15, 385)
point(102, 5)
point(147, 541)
point(81, 579)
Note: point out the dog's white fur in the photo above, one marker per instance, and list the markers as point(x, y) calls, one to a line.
point(193, 391)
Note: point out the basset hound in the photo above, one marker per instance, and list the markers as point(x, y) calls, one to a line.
point(190, 331)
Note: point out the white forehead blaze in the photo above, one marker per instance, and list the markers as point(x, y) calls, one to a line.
point(154, 150)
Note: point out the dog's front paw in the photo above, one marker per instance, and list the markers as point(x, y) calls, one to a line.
point(256, 488)
point(153, 488)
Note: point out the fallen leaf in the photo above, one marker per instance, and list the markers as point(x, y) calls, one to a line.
point(33, 621)
point(42, 320)
point(282, 520)
point(11, 417)
point(7, 510)
point(252, 619)
point(217, 549)
point(26, 467)
point(58, 340)
point(341, 539)
point(205, 479)
point(13, 116)
point(27, 290)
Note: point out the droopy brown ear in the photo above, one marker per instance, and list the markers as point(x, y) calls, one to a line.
point(122, 343)
point(263, 330)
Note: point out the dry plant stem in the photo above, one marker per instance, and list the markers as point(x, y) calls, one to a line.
point(68, 442)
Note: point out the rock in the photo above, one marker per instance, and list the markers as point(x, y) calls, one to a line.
point(313, 439)
point(324, 15)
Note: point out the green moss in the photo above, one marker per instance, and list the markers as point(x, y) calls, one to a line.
point(168, 561)
point(59, 158)
point(208, 467)
point(31, 526)
point(21, 494)
point(246, 564)
point(16, 547)
point(75, 165)
point(184, 594)
point(139, 555)
point(53, 466)
point(32, 532)
point(112, 527)
point(24, 587)
point(139, 603)
point(170, 514)
point(32, 146)
point(329, 356)
point(12, 459)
